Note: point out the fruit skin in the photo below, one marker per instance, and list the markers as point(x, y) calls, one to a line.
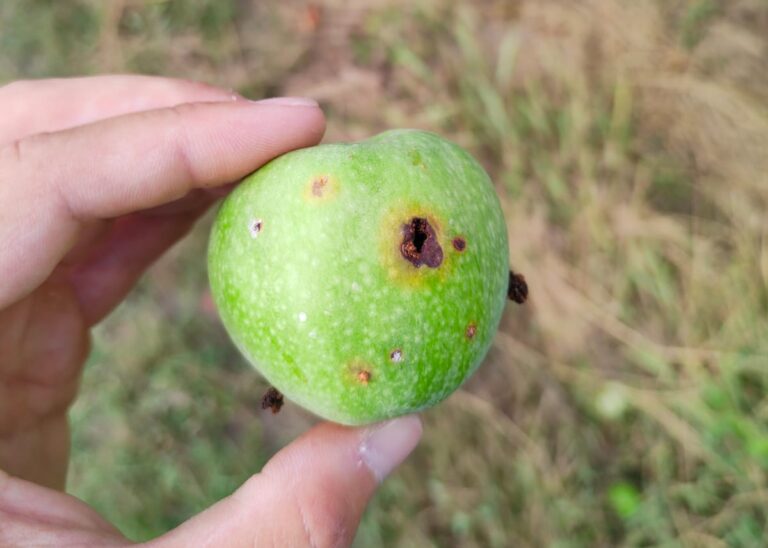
point(307, 270)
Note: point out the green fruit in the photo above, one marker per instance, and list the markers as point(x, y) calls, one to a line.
point(363, 280)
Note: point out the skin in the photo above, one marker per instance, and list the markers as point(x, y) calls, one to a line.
point(98, 177)
point(307, 268)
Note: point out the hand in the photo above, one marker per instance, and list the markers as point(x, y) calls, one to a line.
point(98, 177)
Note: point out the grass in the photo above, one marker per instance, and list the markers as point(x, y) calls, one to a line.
point(624, 405)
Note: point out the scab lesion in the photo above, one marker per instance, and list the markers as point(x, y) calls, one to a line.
point(320, 188)
point(363, 376)
point(360, 372)
point(318, 185)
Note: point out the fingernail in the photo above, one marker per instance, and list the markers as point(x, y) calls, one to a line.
point(288, 101)
point(386, 445)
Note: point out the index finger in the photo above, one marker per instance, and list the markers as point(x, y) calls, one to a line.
point(51, 184)
point(54, 104)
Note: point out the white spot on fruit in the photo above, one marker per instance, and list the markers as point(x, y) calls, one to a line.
point(302, 317)
point(396, 355)
point(254, 227)
point(355, 286)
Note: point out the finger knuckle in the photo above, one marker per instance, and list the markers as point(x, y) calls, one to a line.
point(181, 143)
point(313, 515)
point(323, 520)
point(11, 153)
point(19, 151)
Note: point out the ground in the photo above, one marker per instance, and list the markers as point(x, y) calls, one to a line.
point(623, 404)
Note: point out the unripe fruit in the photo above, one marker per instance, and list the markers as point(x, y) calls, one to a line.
point(363, 280)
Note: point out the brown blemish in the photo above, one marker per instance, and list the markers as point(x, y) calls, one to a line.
point(420, 245)
point(517, 290)
point(318, 185)
point(273, 400)
point(359, 371)
point(255, 226)
point(396, 355)
point(321, 188)
point(459, 244)
point(471, 331)
point(399, 270)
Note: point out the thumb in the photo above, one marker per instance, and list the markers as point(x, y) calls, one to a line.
point(312, 493)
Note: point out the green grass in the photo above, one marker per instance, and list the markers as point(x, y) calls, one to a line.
point(625, 404)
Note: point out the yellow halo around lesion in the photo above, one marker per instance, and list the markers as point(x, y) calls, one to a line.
point(397, 267)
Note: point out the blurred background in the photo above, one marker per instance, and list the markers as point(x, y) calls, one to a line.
point(624, 404)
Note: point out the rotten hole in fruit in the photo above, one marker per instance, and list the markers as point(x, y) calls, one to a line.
point(459, 244)
point(471, 331)
point(420, 245)
point(273, 400)
point(517, 290)
point(255, 226)
point(396, 355)
point(363, 376)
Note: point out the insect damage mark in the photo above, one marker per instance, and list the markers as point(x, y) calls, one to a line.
point(255, 226)
point(420, 245)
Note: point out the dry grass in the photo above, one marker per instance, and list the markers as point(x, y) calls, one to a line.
point(624, 405)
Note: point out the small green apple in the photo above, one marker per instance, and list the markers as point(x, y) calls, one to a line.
point(364, 280)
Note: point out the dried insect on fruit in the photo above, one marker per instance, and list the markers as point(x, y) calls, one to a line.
point(517, 290)
point(273, 400)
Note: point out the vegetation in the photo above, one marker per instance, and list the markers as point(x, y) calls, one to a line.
point(624, 404)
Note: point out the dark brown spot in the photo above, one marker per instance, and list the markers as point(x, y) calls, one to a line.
point(420, 245)
point(517, 290)
point(363, 376)
point(459, 244)
point(272, 400)
point(255, 226)
point(318, 185)
point(396, 355)
point(471, 331)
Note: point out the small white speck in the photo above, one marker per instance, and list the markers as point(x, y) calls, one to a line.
point(396, 355)
point(254, 227)
point(302, 316)
point(355, 286)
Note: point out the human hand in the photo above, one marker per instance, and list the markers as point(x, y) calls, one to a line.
point(98, 177)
